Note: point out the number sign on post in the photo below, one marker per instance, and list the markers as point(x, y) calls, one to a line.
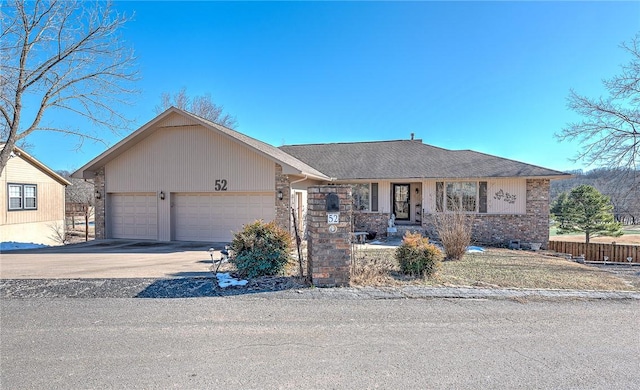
point(333, 208)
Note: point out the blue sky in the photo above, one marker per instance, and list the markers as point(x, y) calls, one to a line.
point(487, 76)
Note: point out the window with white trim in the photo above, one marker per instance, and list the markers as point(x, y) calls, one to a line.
point(465, 196)
point(23, 196)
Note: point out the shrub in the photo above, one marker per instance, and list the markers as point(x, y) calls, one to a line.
point(417, 256)
point(261, 249)
point(454, 230)
point(372, 267)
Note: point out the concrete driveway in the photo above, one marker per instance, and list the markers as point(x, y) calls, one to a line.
point(111, 259)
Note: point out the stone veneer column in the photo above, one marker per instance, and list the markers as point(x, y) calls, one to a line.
point(329, 253)
point(283, 212)
point(99, 205)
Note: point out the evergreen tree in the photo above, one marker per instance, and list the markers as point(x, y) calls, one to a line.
point(586, 210)
point(560, 211)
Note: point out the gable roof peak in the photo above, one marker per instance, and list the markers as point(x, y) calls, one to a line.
point(262, 148)
point(20, 153)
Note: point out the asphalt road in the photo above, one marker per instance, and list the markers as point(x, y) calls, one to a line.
point(266, 342)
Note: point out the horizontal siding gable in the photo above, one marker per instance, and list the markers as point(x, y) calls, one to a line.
point(21, 171)
point(183, 157)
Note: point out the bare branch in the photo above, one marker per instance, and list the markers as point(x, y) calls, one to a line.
point(68, 56)
point(609, 132)
point(202, 106)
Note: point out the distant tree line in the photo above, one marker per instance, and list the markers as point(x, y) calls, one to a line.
point(621, 186)
point(80, 190)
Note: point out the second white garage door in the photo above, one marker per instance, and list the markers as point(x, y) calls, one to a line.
point(214, 217)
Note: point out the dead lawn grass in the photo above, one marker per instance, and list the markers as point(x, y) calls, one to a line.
point(495, 268)
point(627, 239)
point(631, 236)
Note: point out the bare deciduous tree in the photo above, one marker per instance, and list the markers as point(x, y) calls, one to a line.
point(59, 233)
point(61, 56)
point(80, 190)
point(202, 106)
point(610, 130)
point(618, 184)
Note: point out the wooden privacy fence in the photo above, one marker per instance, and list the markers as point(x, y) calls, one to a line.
point(596, 252)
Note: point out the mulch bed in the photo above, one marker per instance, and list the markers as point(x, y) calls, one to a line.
point(140, 287)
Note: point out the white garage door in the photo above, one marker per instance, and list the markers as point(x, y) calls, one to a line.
point(133, 216)
point(214, 217)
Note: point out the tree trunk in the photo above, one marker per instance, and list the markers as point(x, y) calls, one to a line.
point(5, 155)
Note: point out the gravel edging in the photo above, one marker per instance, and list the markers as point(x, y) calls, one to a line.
point(272, 287)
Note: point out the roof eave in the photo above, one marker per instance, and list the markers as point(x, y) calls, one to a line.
point(42, 167)
point(550, 177)
point(293, 170)
point(87, 171)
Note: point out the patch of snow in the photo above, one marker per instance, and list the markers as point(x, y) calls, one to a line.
point(11, 246)
point(225, 280)
point(474, 249)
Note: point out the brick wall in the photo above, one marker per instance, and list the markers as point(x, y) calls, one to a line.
point(329, 258)
point(99, 217)
point(377, 222)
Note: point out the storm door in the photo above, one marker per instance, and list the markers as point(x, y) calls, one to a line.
point(401, 201)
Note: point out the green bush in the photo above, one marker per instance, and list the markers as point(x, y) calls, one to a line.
point(417, 257)
point(260, 249)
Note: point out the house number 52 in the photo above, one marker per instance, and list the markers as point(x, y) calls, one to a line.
point(220, 185)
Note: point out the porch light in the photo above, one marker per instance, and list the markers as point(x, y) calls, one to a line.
point(98, 194)
point(280, 196)
point(161, 195)
point(417, 190)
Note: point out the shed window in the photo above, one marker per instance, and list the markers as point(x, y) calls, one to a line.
point(30, 197)
point(23, 196)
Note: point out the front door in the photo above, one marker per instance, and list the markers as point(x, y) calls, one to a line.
point(401, 201)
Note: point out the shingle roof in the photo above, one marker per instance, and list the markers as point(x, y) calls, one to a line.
point(408, 159)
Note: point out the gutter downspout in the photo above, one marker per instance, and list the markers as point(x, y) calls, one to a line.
point(298, 181)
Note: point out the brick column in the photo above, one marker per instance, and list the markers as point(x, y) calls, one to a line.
point(99, 206)
point(283, 212)
point(538, 209)
point(329, 249)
